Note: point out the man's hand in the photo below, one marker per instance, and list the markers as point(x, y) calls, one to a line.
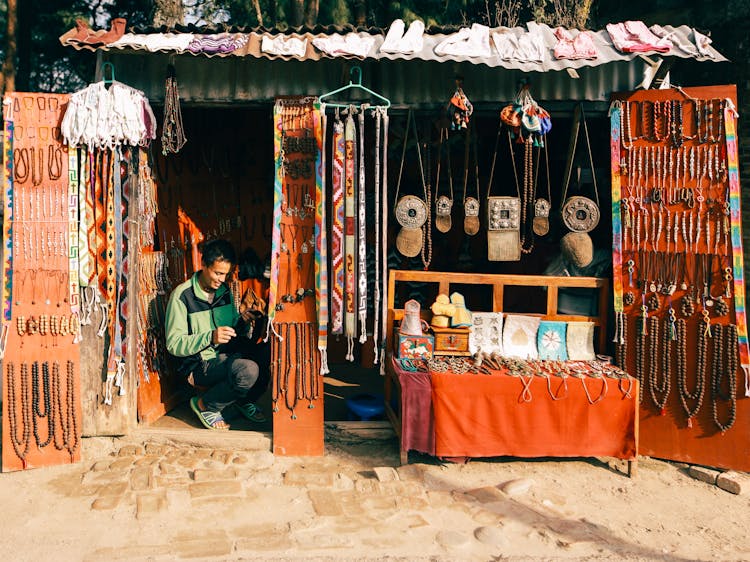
point(222, 334)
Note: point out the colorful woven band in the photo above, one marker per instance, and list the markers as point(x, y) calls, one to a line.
point(337, 229)
point(740, 312)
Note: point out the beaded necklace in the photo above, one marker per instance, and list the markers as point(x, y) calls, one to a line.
point(655, 387)
point(20, 444)
point(288, 370)
point(627, 139)
point(676, 125)
point(640, 360)
point(35, 402)
point(724, 366)
point(700, 367)
point(276, 388)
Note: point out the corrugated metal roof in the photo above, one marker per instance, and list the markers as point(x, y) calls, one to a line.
point(250, 80)
point(682, 36)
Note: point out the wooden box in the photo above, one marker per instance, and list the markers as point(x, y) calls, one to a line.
point(414, 347)
point(451, 341)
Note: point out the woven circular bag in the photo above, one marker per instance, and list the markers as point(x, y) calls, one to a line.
point(577, 248)
point(409, 242)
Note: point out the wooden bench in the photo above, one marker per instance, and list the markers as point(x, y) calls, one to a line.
point(447, 282)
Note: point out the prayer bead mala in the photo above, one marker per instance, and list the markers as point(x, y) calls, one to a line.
point(640, 360)
point(20, 445)
point(724, 365)
point(529, 195)
point(655, 387)
point(35, 402)
point(700, 368)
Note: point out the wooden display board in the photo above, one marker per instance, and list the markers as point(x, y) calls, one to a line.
point(41, 422)
point(295, 361)
point(675, 259)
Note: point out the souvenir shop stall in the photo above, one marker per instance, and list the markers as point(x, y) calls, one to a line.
point(448, 222)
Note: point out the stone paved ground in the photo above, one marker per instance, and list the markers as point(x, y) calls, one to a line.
point(165, 500)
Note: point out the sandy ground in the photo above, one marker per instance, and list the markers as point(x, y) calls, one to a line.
point(334, 508)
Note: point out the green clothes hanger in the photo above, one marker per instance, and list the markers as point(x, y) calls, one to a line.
point(111, 79)
point(352, 85)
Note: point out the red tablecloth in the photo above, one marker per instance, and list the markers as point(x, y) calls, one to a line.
point(486, 416)
point(417, 420)
point(450, 415)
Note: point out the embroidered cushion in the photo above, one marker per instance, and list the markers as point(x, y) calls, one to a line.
point(486, 332)
point(551, 340)
point(519, 336)
point(580, 340)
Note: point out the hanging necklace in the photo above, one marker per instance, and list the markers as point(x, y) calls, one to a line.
point(655, 387)
point(37, 171)
point(427, 227)
point(725, 366)
point(21, 161)
point(20, 444)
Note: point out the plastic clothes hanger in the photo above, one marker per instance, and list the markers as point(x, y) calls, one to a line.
point(108, 81)
point(384, 102)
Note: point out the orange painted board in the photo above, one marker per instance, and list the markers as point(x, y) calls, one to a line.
point(666, 434)
point(39, 222)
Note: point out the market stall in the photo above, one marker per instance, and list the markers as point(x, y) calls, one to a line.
point(339, 173)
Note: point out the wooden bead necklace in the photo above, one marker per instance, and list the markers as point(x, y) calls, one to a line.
point(653, 354)
point(724, 366)
point(20, 444)
point(529, 196)
point(700, 369)
point(660, 390)
point(37, 412)
point(640, 360)
point(625, 131)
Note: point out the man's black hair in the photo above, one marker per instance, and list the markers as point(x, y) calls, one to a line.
point(217, 250)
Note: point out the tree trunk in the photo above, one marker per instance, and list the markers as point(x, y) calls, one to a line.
point(258, 12)
point(8, 78)
point(297, 13)
point(311, 12)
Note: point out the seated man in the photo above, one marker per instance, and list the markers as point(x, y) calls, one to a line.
point(201, 324)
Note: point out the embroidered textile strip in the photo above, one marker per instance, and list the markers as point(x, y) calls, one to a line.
point(91, 230)
point(362, 234)
point(278, 195)
point(614, 116)
point(73, 234)
point(111, 267)
point(321, 242)
point(337, 229)
point(101, 220)
point(730, 123)
point(8, 131)
point(115, 365)
point(350, 248)
point(376, 289)
point(384, 242)
point(85, 263)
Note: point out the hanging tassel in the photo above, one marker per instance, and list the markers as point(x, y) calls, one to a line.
point(120, 377)
point(382, 362)
point(324, 361)
point(350, 348)
point(103, 323)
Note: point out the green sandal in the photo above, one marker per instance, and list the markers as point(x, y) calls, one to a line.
point(208, 418)
point(251, 412)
